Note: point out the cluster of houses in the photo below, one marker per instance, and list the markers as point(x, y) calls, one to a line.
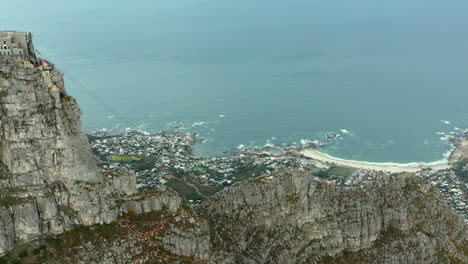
point(147, 155)
point(134, 143)
point(157, 158)
point(357, 178)
point(227, 170)
point(454, 189)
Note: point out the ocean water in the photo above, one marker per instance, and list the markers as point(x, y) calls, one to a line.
point(385, 75)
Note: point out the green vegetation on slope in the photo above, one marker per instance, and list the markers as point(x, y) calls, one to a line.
point(183, 189)
point(4, 172)
point(52, 246)
point(138, 163)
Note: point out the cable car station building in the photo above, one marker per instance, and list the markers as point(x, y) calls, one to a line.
point(17, 44)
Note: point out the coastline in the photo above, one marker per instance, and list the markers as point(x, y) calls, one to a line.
point(458, 152)
point(386, 167)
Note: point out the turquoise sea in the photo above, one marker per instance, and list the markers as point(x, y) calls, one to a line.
point(385, 75)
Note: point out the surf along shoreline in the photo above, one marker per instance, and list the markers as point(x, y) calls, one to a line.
point(373, 166)
point(458, 150)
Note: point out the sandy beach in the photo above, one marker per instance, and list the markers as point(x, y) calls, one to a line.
point(387, 167)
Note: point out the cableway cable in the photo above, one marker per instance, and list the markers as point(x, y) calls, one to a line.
point(85, 88)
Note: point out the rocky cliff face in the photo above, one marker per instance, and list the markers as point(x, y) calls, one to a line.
point(154, 236)
point(51, 176)
point(49, 181)
point(51, 190)
point(289, 218)
point(293, 218)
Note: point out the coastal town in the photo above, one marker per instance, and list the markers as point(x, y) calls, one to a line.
point(167, 159)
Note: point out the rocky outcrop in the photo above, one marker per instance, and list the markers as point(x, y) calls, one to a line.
point(291, 218)
point(53, 181)
point(294, 218)
point(154, 237)
point(49, 181)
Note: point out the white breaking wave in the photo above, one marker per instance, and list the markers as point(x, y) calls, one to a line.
point(306, 142)
point(440, 133)
point(241, 146)
point(269, 144)
point(199, 123)
point(221, 116)
point(109, 130)
point(344, 131)
point(445, 122)
point(449, 152)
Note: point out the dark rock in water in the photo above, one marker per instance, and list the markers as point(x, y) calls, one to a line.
point(331, 135)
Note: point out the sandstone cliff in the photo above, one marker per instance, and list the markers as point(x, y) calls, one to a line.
point(56, 207)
